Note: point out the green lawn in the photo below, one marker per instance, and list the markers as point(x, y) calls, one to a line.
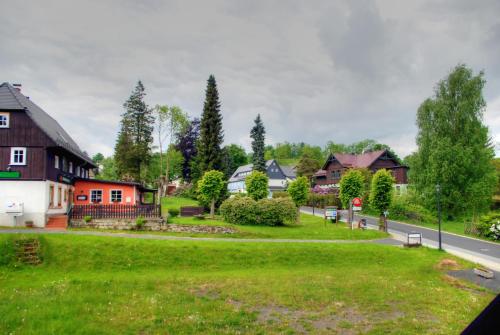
point(310, 227)
point(105, 285)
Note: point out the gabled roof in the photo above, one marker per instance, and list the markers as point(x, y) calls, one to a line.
point(12, 99)
point(363, 160)
point(288, 171)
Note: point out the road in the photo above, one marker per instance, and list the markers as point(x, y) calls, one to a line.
point(483, 252)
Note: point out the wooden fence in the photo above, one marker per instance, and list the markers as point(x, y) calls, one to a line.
point(115, 211)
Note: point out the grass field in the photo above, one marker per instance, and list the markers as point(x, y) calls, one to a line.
point(105, 285)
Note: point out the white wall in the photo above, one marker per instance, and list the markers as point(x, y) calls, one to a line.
point(35, 197)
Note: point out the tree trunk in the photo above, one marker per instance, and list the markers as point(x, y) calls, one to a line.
point(298, 214)
point(381, 225)
point(212, 209)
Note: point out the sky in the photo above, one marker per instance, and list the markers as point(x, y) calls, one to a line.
point(316, 71)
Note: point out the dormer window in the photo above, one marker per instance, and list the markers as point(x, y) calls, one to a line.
point(4, 120)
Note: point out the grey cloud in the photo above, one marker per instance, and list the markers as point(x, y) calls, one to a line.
point(315, 71)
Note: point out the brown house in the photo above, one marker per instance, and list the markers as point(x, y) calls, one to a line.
point(336, 164)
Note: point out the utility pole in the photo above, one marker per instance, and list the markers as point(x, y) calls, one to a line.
point(438, 196)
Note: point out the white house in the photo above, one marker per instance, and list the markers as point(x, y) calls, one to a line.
point(278, 175)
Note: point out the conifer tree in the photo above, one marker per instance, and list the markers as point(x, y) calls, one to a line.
point(210, 155)
point(133, 147)
point(257, 134)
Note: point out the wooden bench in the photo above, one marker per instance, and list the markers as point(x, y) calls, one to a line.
point(191, 211)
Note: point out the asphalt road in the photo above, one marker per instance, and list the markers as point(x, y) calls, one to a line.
point(490, 250)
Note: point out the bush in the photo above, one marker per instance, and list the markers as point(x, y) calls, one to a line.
point(322, 200)
point(173, 212)
point(239, 210)
point(489, 226)
point(280, 194)
point(270, 212)
point(140, 222)
point(275, 212)
point(403, 207)
point(87, 218)
point(186, 191)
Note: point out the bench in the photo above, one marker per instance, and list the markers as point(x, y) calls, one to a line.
point(191, 211)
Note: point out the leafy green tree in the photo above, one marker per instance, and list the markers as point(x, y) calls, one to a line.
point(211, 187)
point(170, 122)
point(307, 166)
point(381, 193)
point(299, 191)
point(107, 169)
point(234, 156)
point(454, 147)
point(352, 186)
point(98, 158)
point(186, 144)
point(211, 134)
point(257, 185)
point(257, 134)
point(133, 147)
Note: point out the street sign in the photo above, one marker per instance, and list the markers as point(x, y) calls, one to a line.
point(331, 212)
point(356, 204)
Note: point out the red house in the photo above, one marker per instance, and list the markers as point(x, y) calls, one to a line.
point(336, 164)
point(106, 192)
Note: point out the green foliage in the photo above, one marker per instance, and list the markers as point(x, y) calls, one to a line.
point(98, 158)
point(489, 226)
point(87, 218)
point(322, 200)
point(381, 190)
point(299, 190)
point(258, 136)
point(107, 169)
point(307, 166)
point(239, 210)
point(404, 207)
point(234, 156)
point(211, 188)
point(186, 144)
point(357, 148)
point(280, 194)
point(140, 222)
point(133, 147)
point(186, 191)
point(9, 249)
point(352, 185)
point(173, 212)
point(276, 212)
point(257, 185)
point(287, 153)
point(270, 212)
point(454, 148)
point(209, 155)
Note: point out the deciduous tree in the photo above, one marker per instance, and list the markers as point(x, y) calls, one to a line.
point(257, 185)
point(299, 191)
point(351, 186)
point(211, 187)
point(381, 193)
point(186, 144)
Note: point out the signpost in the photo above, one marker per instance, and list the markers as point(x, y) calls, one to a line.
point(331, 213)
point(354, 206)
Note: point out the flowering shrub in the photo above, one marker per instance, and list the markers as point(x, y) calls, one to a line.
point(489, 226)
point(495, 231)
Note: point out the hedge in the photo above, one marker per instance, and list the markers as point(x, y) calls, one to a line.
point(270, 212)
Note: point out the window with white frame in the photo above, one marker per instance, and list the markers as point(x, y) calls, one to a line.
point(56, 162)
point(95, 196)
point(70, 167)
point(4, 120)
point(17, 156)
point(77, 171)
point(116, 195)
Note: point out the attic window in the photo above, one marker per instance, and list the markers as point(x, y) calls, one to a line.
point(4, 120)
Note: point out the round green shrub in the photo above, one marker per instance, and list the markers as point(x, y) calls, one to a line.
point(257, 185)
point(87, 218)
point(239, 210)
point(275, 212)
point(280, 194)
point(173, 212)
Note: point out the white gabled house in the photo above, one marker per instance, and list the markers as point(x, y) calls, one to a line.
point(279, 176)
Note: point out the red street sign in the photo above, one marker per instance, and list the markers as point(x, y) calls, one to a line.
point(356, 202)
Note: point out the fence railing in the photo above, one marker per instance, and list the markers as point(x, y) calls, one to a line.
point(115, 211)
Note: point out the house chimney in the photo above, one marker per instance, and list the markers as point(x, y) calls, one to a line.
point(17, 87)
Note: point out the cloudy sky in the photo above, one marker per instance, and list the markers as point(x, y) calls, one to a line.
point(315, 70)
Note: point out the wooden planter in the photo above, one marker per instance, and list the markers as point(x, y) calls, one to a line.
point(485, 273)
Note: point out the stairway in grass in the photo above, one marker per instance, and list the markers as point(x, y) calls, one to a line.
point(57, 222)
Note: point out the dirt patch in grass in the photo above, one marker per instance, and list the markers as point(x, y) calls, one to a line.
point(448, 264)
point(342, 319)
point(461, 284)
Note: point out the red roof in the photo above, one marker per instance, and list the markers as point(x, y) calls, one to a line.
point(364, 160)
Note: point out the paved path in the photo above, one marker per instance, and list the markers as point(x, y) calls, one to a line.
point(187, 238)
point(483, 252)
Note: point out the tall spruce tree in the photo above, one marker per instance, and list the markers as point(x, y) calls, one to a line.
point(454, 148)
point(257, 134)
point(210, 156)
point(133, 147)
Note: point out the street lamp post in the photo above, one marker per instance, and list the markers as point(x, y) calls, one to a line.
point(438, 196)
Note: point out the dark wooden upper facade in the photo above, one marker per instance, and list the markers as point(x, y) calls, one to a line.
point(41, 150)
point(337, 164)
